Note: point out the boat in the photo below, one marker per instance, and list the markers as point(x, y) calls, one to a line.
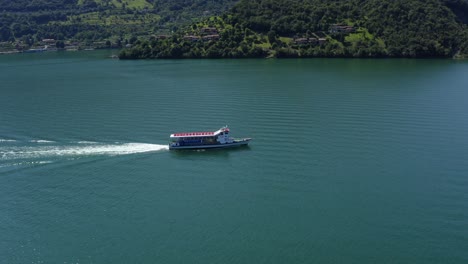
point(206, 140)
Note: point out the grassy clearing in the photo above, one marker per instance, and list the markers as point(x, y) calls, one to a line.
point(361, 35)
point(285, 39)
point(96, 18)
point(264, 45)
point(136, 4)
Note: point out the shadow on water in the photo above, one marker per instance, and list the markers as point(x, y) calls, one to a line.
point(216, 152)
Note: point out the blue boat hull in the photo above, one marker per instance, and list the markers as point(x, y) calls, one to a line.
point(236, 143)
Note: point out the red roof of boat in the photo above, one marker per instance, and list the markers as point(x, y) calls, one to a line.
point(193, 134)
point(200, 134)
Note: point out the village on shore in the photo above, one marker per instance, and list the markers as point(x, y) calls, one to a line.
point(205, 34)
point(57, 45)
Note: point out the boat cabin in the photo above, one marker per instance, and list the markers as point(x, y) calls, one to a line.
point(221, 136)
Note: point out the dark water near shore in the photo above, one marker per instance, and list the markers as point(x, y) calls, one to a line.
point(353, 161)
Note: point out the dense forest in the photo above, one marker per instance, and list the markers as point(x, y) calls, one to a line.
point(242, 28)
point(86, 21)
point(321, 28)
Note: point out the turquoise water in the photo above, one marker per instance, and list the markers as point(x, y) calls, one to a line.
point(352, 161)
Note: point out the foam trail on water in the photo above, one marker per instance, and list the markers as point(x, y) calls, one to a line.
point(26, 163)
point(86, 142)
point(7, 140)
point(35, 152)
point(41, 141)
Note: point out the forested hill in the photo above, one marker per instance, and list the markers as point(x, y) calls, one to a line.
point(241, 28)
point(40, 5)
point(26, 23)
point(321, 28)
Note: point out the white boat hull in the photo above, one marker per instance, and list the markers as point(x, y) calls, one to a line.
point(236, 143)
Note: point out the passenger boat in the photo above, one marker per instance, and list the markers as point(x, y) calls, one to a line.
point(204, 140)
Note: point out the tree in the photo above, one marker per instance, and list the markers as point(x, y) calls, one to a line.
point(271, 36)
point(60, 44)
point(133, 39)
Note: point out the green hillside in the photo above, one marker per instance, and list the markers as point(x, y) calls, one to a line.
point(254, 28)
point(26, 23)
point(322, 28)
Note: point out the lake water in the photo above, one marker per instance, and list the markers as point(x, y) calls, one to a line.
point(352, 161)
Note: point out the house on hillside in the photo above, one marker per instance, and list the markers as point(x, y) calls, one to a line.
point(301, 41)
point(208, 31)
point(305, 41)
point(322, 41)
point(161, 36)
point(192, 38)
point(49, 42)
point(210, 37)
point(339, 29)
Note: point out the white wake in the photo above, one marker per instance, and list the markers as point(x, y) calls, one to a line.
point(7, 140)
point(93, 149)
point(41, 141)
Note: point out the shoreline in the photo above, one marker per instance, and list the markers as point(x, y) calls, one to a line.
point(30, 51)
point(116, 56)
